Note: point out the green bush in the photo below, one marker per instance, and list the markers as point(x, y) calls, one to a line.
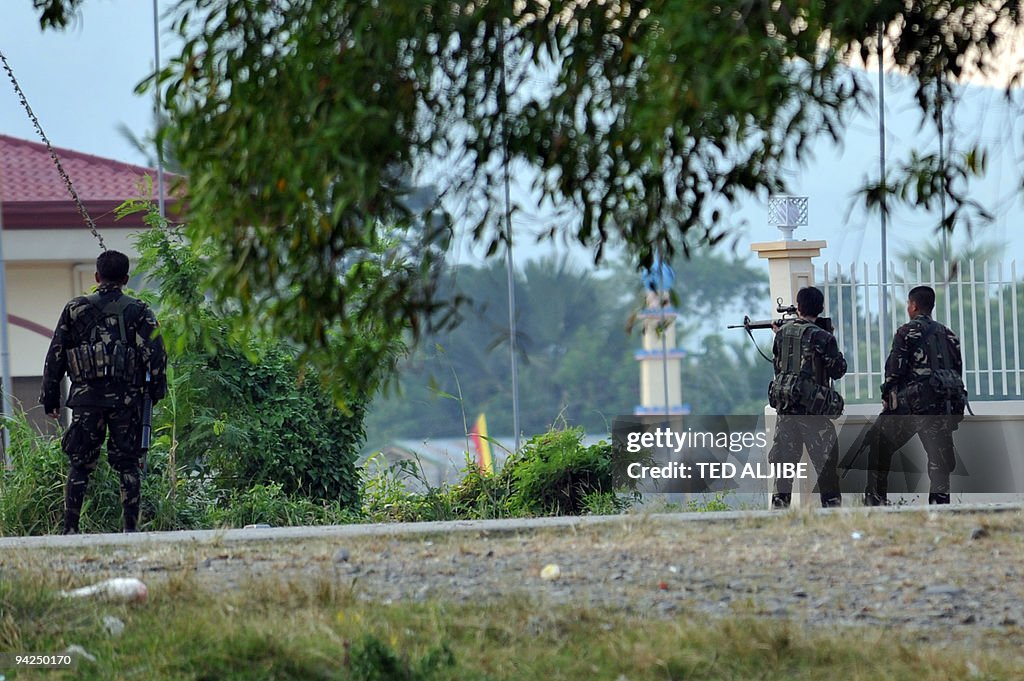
point(373, 660)
point(250, 423)
point(554, 474)
point(182, 501)
point(247, 411)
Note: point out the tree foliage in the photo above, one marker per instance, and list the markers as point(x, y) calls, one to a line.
point(242, 410)
point(305, 127)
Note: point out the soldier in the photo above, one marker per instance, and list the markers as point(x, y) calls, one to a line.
point(106, 343)
point(922, 394)
point(806, 359)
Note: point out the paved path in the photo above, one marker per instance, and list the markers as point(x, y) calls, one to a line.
point(512, 525)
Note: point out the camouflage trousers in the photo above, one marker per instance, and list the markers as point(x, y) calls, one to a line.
point(893, 432)
point(122, 428)
point(818, 433)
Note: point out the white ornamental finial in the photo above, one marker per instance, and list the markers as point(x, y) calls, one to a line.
point(787, 213)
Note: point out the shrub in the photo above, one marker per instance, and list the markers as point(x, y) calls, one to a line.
point(248, 411)
point(373, 660)
point(555, 474)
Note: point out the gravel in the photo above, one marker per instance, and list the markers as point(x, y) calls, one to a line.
point(926, 572)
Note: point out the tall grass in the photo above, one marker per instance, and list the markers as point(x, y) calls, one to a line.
point(32, 494)
point(317, 629)
point(554, 474)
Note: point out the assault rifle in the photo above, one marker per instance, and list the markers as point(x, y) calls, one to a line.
point(788, 313)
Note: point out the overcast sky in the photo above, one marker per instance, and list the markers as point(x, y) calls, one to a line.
point(81, 81)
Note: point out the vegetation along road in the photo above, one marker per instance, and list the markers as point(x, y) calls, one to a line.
point(920, 580)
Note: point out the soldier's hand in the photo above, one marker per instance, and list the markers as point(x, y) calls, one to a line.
point(53, 414)
point(776, 326)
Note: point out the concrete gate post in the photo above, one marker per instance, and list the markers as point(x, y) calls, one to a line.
point(790, 268)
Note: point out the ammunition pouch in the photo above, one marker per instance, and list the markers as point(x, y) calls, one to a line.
point(948, 387)
point(92, 361)
point(941, 392)
point(825, 401)
point(796, 393)
point(780, 391)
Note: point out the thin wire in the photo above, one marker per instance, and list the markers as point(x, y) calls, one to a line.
point(53, 154)
point(156, 112)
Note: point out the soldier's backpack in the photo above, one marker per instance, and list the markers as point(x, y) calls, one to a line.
point(801, 386)
point(943, 389)
point(107, 353)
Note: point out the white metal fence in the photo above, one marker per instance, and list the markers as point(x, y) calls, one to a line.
point(980, 301)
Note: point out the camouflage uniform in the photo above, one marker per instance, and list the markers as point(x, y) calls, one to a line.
point(795, 429)
point(104, 405)
point(921, 414)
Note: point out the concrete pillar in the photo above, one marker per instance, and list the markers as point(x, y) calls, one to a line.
point(790, 268)
point(660, 360)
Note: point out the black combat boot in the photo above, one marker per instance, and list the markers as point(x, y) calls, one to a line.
point(781, 500)
point(831, 500)
point(875, 499)
point(938, 498)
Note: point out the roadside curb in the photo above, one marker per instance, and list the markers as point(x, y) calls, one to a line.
point(504, 526)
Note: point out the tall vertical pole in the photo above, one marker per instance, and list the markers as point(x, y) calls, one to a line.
point(5, 352)
point(509, 264)
point(513, 348)
point(156, 111)
point(881, 167)
point(942, 202)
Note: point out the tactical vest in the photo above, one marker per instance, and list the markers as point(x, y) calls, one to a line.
point(943, 389)
point(96, 358)
point(801, 386)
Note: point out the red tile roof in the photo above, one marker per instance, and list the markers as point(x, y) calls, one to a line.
point(34, 196)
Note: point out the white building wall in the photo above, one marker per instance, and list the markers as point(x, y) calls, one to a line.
point(45, 269)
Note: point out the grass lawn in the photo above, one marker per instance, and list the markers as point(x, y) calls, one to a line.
point(274, 628)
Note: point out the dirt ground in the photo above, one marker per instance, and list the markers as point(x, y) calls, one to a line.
point(940, 576)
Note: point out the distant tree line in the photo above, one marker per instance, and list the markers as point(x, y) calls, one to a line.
point(575, 349)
